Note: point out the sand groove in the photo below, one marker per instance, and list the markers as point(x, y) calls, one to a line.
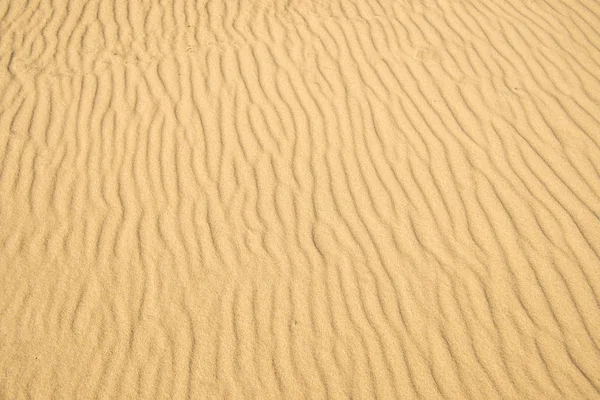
point(300, 199)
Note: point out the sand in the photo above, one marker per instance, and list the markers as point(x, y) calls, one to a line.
point(289, 199)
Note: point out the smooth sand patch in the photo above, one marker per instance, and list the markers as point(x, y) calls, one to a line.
point(300, 199)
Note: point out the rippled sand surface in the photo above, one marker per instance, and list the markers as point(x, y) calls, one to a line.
point(290, 199)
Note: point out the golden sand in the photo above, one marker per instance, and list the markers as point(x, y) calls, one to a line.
point(289, 199)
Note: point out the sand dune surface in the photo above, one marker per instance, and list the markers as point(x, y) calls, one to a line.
point(299, 199)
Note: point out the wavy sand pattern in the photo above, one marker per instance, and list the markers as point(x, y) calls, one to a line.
point(300, 199)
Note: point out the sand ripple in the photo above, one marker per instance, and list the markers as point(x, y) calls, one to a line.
point(300, 199)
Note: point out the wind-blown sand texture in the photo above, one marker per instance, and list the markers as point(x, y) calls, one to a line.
point(278, 199)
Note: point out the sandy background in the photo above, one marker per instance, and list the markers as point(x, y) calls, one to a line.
point(295, 199)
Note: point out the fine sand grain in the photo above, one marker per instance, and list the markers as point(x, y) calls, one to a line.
point(289, 199)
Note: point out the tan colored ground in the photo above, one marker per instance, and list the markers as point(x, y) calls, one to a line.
point(294, 199)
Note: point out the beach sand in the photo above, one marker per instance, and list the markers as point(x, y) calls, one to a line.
point(290, 199)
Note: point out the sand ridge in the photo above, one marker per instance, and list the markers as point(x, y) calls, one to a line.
point(285, 199)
